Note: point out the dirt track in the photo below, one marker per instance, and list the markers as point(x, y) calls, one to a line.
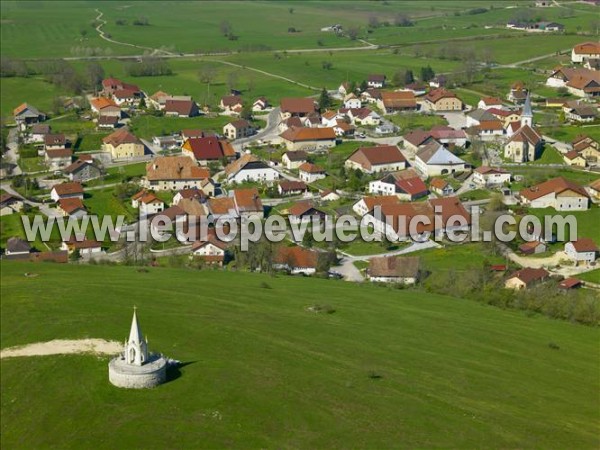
point(63, 347)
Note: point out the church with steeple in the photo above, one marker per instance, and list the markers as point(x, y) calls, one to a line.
point(526, 143)
point(136, 348)
point(135, 367)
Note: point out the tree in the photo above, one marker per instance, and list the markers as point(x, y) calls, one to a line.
point(363, 86)
point(402, 20)
point(141, 21)
point(353, 33)
point(291, 10)
point(487, 55)
point(398, 78)
point(57, 105)
point(496, 203)
point(232, 80)
point(427, 73)
point(409, 77)
point(246, 113)
point(207, 74)
point(373, 21)
point(324, 100)
point(95, 75)
point(327, 65)
point(225, 28)
point(251, 83)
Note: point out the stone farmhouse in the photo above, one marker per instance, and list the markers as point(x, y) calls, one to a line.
point(558, 193)
point(123, 144)
point(382, 158)
point(174, 173)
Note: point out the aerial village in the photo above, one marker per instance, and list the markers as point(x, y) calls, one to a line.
point(340, 152)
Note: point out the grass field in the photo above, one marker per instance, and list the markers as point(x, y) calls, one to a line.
point(32, 31)
point(569, 133)
point(14, 91)
point(104, 202)
point(263, 372)
point(408, 122)
point(12, 226)
point(149, 126)
point(353, 66)
point(592, 276)
point(587, 221)
point(549, 156)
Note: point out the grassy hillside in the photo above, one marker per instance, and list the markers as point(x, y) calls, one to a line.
point(61, 28)
point(390, 368)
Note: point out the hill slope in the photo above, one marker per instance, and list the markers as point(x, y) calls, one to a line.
point(389, 368)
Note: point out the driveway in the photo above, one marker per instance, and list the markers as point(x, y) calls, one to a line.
point(456, 120)
point(268, 133)
point(44, 209)
point(348, 270)
point(12, 150)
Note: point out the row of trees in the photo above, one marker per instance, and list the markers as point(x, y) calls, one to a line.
point(400, 20)
point(401, 77)
point(148, 67)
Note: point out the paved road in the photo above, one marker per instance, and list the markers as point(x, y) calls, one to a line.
point(351, 273)
point(12, 150)
point(549, 263)
point(268, 133)
point(44, 209)
point(413, 247)
point(348, 270)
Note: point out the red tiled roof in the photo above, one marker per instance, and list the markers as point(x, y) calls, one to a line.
point(569, 283)
point(584, 245)
point(247, 200)
point(122, 136)
point(311, 168)
point(436, 95)
point(484, 170)
point(438, 183)
point(296, 257)
point(291, 185)
point(412, 186)
point(180, 107)
point(587, 48)
point(302, 207)
point(59, 153)
point(295, 134)
point(69, 188)
point(175, 168)
point(298, 105)
point(491, 101)
point(70, 205)
point(528, 275)
point(208, 148)
point(394, 266)
point(102, 102)
point(555, 185)
point(399, 99)
point(368, 157)
point(231, 100)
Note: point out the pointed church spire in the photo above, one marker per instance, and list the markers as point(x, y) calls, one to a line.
point(136, 349)
point(527, 114)
point(135, 334)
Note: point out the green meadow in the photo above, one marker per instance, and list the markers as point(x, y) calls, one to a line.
point(62, 29)
point(389, 368)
